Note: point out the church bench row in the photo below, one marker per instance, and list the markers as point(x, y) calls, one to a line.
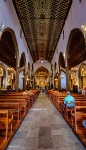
point(6, 119)
point(76, 112)
point(79, 103)
point(60, 100)
point(23, 102)
point(79, 114)
point(13, 107)
point(8, 102)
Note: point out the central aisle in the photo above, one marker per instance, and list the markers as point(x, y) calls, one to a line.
point(44, 128)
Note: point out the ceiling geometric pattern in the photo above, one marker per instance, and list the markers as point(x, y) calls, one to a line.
point(42, 22)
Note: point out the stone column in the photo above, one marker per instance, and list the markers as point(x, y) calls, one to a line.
point(33, 87)
point(17, 79)
point(53, 79)
point(67, 79)
point(59, 82)
point(50, 82)
point(25, 76)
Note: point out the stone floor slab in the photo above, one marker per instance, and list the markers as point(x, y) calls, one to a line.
point(44, 128)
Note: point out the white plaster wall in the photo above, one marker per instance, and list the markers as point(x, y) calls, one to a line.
point(9, 18)
point(45, 64)
point(20, 80)
point(76, 18)
point(63, 80)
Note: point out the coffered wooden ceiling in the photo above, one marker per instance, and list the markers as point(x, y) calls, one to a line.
point(42, 22)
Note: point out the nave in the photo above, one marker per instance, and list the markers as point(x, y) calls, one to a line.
point(44, 128)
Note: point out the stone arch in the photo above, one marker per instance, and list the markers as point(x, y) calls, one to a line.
point(42, 69)
point(42, 77)
point(9, 51)
point(75, 51)
point(28, 69)
point(7, 37)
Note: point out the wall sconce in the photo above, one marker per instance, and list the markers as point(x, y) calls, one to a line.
point(23, 77)
point(56, 79)
point(64, 55)
point(42, 61)
point(29, 79)
point(61, 76)
point(83, 71)
point(84, 30)
point(1, 26)
point(74, 69)
point(84, 27)
point(10, 69)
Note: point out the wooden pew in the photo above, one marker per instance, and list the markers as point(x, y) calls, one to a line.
point(12, 107)
point(29, 99)
point(22, 102)
point(6, 119)
point(78, 115)
point(61, 99)
point(71, 109)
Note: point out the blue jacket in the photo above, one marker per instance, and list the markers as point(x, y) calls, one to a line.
point(84, 123)
point(69, 98)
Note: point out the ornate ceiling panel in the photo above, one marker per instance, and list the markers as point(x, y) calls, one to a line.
point(42, 22)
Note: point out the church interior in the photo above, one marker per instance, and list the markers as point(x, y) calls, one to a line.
point(42, 57)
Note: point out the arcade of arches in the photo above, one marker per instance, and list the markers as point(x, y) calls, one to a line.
point(41, 77)
point(13, 64)
point(42, 50)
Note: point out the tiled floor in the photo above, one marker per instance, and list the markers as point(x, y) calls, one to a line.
point(44, 129)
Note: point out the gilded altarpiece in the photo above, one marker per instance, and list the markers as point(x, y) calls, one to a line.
point(42, 79)
point(83, 76)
